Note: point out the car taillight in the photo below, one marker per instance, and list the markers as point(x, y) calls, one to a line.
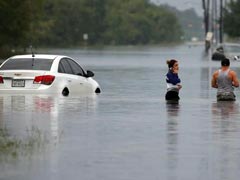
point(1, 80)
point(45, 79)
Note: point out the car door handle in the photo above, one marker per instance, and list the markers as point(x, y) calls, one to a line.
point(69, 80)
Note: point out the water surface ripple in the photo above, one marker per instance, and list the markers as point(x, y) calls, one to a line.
point(128, 132)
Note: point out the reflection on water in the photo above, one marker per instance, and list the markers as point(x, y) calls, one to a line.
point(173, 109)
point(36, 117)
point(226, 119)
point(226, 132)
point(225, 110)
point(205, 83)
point(129, 131)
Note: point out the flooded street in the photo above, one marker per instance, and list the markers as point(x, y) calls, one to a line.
point(128, 132)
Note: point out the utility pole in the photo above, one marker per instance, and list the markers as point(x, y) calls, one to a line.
point(205, 15)
point(206, 4)
point(221, 22)
point(216, 30)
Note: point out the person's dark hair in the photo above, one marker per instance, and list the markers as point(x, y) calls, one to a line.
point(171, 62)
point(225, 62)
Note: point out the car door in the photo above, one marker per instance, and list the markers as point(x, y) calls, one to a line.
point(74, 74)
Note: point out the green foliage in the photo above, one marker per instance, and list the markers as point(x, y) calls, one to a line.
point(126, 23)
point(63, 23)
point(19, 20)
point(14, 18)
point(231, 19)
point(139, 22)
point(191, 24)
point(69, 20)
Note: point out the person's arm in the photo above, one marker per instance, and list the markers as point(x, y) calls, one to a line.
point(214, 79)
point(235, 81)
point(173, 79)
point(179, 86)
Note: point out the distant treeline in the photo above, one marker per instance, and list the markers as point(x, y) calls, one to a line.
point(61, 23)
point(231, 19)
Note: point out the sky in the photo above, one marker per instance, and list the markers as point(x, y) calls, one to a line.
point(183, 4)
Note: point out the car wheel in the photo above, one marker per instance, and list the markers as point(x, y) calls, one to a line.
point(97, 90)
point(65, 92)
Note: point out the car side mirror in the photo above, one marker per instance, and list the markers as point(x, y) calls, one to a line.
point(89, 73)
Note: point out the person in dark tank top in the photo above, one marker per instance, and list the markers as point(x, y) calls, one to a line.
point(224, 80)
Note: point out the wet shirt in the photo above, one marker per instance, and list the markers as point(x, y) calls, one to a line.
point(172, 80)
point(223, 81)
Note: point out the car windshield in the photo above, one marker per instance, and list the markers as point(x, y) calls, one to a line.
point(27, 64)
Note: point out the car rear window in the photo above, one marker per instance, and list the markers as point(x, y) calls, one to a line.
point(27, 64)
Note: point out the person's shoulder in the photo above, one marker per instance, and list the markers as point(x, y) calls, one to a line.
point(216, 72)
point(232, 72)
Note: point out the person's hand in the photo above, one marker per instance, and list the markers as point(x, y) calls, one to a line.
point(179, 86)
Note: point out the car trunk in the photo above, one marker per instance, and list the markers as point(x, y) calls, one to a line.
point(20, 79)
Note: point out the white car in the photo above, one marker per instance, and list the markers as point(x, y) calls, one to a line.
point(51, 74)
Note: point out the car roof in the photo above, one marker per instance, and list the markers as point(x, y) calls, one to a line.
point(40, 56)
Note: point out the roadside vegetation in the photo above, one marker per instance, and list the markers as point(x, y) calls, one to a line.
point(75, 23)
point(61, 23)
point(13, 147)
point(231, 19)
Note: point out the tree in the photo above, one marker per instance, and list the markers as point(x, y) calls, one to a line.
point(165, 25)
point(63, 23)
point(70, 20)
point(139, 22)
point(231, 19)
point(14, 18)
point(19, 20)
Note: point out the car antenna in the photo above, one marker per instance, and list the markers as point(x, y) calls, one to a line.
point(33, 55)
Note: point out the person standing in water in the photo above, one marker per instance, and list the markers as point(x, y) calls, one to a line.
point(173, 81)
point(224, 80)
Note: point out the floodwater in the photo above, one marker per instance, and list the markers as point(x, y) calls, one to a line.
point(128, 132)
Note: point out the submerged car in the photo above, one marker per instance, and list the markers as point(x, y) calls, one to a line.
point(227, 50)
point(232, 51)
point(51, 74)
